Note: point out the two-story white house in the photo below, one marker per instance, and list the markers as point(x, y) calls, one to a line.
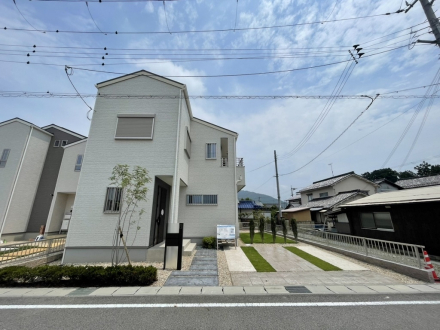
point(193, 165)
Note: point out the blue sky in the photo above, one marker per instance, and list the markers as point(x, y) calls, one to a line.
point(263, 125)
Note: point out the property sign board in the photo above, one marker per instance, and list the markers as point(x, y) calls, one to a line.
point(226, 232)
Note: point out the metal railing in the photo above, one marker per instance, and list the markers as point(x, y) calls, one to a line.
point(401, 253)
point(239, 162)
point(30, 250)
point(224, 161)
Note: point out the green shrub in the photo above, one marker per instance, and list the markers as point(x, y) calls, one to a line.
point(273, 228)
point(209, 242)
point(294, 227)
point(261, 227)
point(252, 230)
point(77, 276)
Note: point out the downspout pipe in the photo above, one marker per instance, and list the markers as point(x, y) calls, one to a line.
point(16, 180)
point(173, 216)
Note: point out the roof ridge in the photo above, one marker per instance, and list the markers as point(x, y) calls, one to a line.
point(333, 177)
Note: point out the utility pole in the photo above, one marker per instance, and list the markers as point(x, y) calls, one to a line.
point(432, 19)
point(278, 186)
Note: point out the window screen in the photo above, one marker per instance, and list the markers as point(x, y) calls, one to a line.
point(78, 165)
point(211, 150)
point(367, 220)
point(4, 157)
point(135, 127)
point(377, 220)
point(113, 198)
point(201, 199)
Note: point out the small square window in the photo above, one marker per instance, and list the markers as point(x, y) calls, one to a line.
point(309, 197)
point(57, 143)
point(211, 151)
point(78, 165)
point(64, 143)
point(325, 194)
point(113, 200)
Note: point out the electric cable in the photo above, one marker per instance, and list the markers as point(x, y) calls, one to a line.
point(18, 9)
point(91, 16)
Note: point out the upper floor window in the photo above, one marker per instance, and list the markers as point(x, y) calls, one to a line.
point(4, 157)
point(188, 144)
point(377, 220)
point(78, 165)
point(201, 199)
point(64, 143)
point(135, 127)
point(113, 199)
point(309, 197)
point(211, 151)
point(57, 143)
point(324, 194)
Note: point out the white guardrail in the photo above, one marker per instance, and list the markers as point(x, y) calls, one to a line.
point(400, 253)
point(11, 253)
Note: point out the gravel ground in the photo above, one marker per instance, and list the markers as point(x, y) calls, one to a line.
point(224, 276)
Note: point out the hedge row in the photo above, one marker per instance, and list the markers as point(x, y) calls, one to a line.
point(77, 276)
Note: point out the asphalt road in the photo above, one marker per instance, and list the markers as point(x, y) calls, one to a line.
point(396, 312)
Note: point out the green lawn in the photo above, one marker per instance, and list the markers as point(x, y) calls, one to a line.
point(312, 259)
point(246, 238)
point(259, 263)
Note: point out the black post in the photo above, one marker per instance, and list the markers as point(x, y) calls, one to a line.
point(174, 239)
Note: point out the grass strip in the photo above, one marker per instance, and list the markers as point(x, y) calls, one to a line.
point(260, 264)
point(312, 259)
point(246, 238)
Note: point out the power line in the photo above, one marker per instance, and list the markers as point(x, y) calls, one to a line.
point(345, 130)
point(18, 9)
point(91, 16)
point(68, 77)
point(202, 31)
point(166, 18)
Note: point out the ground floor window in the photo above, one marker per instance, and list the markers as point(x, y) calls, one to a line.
point(377, 220)
point(113, 199)
point(201, 199)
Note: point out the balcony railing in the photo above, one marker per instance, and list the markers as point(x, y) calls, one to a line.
point(224, 161)
point(239, 162)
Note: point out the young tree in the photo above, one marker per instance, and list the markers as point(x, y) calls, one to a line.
point(424, 169)
point(273, 228)
point(134, 191)
point(283, 222)
point(252, 230)
point(261, 224)
point(294, 227)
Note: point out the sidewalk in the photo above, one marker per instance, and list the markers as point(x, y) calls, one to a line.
point(6, 293)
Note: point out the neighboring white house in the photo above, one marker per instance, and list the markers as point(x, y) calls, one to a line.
point(386, 186)
point(65, 189)
point(23, 149)
point(193, 165)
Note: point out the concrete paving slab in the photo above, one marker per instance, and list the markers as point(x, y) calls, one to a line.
point(212, 290)
point(237, 261)
point(60, 292)
point(339, 289)
point(147, 291)
point(126, 291)
point(382, 289)
point(435, 286)
point(191, 290)
point(82, 292)
point(204, 267)
point(276, 289)
point(254, 290)
point(283, 260)
point(16, 292)
point(423, 288)
point(232, 290)
point(360, 289)
point(38, 292)
point(319, 289)
point(403, 288)
point(108, 291)
point(192, 281)
point(195, 273)
point(169, 290)
point(2, 291)
point(330, 258)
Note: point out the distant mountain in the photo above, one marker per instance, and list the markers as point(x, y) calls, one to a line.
point(265, 199)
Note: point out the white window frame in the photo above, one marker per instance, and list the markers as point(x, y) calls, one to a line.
point(212, 197)
point(134, 116)
point(57, 145)
point(64, 144)
point(79, 164)
point(113, 191)
point(4, 157)
point(206, 150)
point(374, 219)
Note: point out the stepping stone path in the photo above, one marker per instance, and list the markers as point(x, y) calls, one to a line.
point(203, 271)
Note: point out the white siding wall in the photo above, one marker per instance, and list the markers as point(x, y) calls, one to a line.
point(12, 136)
point(353, 183)
point(67, 183)
point(315, 193)
point(27, 183)
point(208, 177)
point(184, 161)
point(89, 225)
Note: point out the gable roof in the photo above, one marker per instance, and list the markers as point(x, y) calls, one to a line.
point(330, 202)
point(416, 195)
point(219, 128)
point(248, 205)
point(65, 130)
point(383, 180)
point(419, 182)
point(24, 122)
point(75, 143)
point(333, 180)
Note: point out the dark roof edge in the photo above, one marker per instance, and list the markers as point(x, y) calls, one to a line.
point(63, 128)
point(215, 125)
point(332, 177)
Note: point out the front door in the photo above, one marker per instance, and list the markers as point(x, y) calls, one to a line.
point(160, 215)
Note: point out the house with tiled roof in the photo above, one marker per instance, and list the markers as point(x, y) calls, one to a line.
point(386, 185)
point(425, 181)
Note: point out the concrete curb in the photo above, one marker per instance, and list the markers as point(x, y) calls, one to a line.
point(217, 290)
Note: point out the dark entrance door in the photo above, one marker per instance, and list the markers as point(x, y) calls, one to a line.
point(160, 214)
